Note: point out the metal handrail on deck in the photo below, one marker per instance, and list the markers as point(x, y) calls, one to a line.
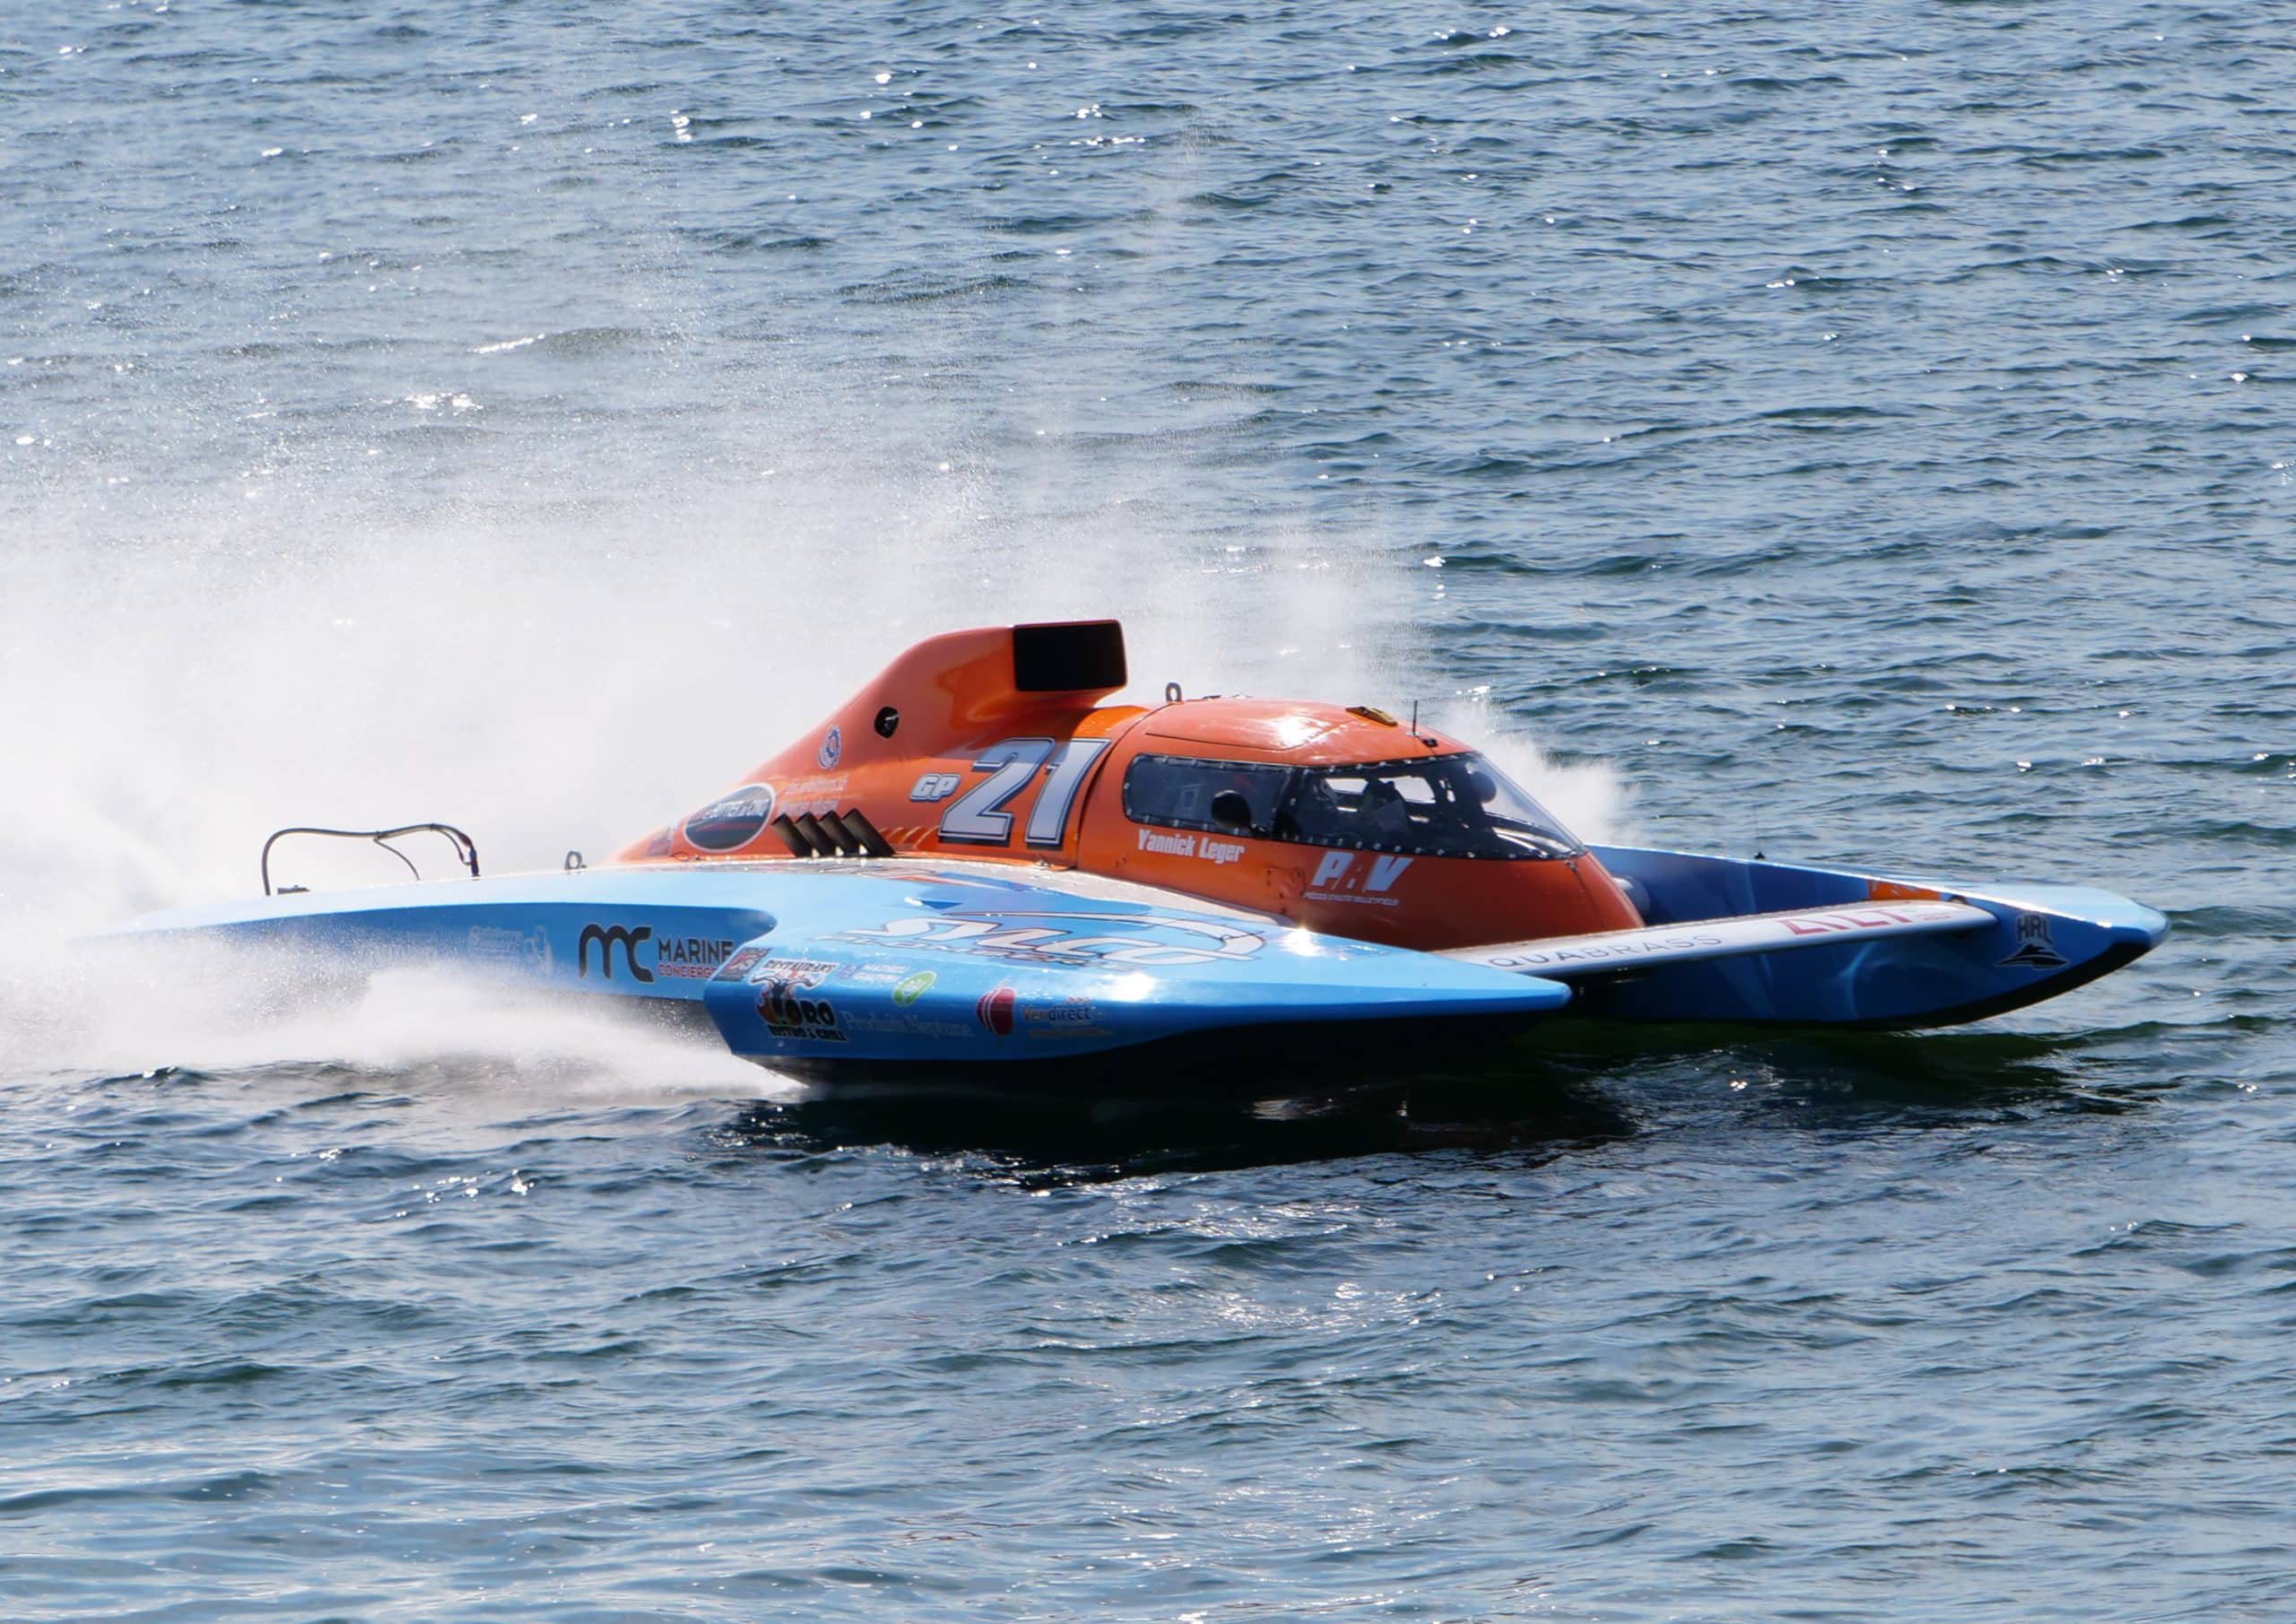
point(466, 848)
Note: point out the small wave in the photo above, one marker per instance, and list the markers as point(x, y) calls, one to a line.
point(228, 1372)
point(2230, 919)
point(2071, 156)
point(925, 288)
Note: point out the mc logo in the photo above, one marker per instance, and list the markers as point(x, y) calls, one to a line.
point(608, 937)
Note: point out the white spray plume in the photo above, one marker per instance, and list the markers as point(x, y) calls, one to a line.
point(494, 1050)
point(568, 671)
point(1588, 796)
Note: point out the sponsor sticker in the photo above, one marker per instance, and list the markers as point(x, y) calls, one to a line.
point(913, 988)
point(2035, 949)
point(1859, 919)
point(1594, 952)
point(738, 966)
point(606, 938)
point(994, 1010)
point(732, 820)
point(1757, 934)
point(790, 1012)
point(1073, 1011)
point(1075, 1016)
point(816, 792)
point(906, 1023)
point(523, 950)
point(1028, 936)
point(1343, 876)
point(797, 972)
point(691, 958)
point(832, 747)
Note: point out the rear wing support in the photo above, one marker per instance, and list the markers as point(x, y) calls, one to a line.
point(1607, 953)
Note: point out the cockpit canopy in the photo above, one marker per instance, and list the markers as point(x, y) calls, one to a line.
point(1457, 805)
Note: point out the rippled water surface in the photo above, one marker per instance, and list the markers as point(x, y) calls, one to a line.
point(1858, 432)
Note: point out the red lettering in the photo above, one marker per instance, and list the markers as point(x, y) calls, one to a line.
point(1811, 927)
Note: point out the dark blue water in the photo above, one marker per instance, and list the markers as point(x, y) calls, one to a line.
point(1856, 433)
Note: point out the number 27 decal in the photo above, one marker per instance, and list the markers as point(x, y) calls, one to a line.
point(977, 818)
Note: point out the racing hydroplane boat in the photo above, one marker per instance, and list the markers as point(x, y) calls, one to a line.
point(975, 865)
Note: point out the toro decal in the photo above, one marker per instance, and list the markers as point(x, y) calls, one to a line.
point(789, 1013)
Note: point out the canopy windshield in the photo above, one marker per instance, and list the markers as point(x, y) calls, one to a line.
point(1437, 806)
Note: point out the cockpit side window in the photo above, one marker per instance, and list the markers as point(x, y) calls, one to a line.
point(1178, 791)
point(1443, 806)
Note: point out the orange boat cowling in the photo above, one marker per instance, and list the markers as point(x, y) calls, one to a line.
point(994, 743)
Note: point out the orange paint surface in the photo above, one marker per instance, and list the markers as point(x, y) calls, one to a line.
point(945, 755)
point(1894, 890)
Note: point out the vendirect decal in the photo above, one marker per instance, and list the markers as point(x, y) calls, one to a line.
point(1073, 1016)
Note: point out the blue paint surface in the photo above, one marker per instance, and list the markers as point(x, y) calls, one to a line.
point(1007, 954)
point(1010, 968)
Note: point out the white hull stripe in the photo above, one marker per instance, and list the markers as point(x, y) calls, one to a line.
point(1562, 957)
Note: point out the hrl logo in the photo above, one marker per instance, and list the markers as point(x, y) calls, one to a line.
point(2035, 949)
point(608, 937)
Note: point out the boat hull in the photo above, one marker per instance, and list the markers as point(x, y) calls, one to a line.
point(1003, 973)
point(2038, 941)
point(824, 966)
